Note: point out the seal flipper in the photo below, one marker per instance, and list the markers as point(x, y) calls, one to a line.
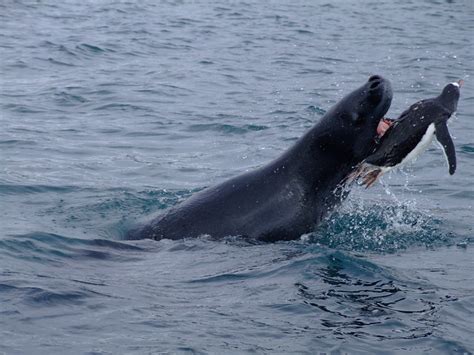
point(443, 137)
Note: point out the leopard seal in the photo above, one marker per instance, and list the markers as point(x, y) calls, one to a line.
point(289, 196)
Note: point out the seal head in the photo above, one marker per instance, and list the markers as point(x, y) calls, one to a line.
point(359, 114)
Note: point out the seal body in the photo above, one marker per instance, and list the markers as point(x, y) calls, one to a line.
point(412, 133)
point(289, 196)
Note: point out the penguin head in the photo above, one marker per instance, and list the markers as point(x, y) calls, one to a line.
point(450, 96)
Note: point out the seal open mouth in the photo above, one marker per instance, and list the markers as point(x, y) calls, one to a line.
point(384, 124)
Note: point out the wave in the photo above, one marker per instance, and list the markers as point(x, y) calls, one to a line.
point(226, 128)
point(49, 248)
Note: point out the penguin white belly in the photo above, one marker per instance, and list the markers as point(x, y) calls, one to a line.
point(422, 144)
point(420, 148)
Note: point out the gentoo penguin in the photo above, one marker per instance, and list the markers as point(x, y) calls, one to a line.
point(408, 136)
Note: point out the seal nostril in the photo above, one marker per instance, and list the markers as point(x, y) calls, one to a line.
point(374, 77)
point(374, 85)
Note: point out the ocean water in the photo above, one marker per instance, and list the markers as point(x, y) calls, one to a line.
point(112, 111)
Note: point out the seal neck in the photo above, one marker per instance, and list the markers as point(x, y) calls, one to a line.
point(318, 158)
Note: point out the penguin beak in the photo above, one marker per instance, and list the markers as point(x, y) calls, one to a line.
point(458, 83)
point(384, 124)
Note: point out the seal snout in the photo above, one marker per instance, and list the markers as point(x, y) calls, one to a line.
point(375, 78)
point(374, 85)
point(374, 82)
point(378, 88)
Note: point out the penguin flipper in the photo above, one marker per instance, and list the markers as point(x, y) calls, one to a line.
point(446, 142)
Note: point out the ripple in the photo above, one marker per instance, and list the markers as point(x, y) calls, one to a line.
point(89, 48)
point(122, 107)
point(225, 128)
point(20, 108)
point(67, 99)
point(467, 148)
point(59, 62)
point(353, 297)
point(42, 297)
point(48, 248)
point(37, 296)
point(17, 143)
point(314, 109)
point(6, 189)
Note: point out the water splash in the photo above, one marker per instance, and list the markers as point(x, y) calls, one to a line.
point(387, 225)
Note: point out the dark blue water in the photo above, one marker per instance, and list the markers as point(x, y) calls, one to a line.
point(112, 111)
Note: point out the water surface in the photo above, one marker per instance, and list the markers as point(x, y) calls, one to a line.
point(114, 110)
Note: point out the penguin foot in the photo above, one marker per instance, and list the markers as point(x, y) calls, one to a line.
point(366, 173)
point(371, 177)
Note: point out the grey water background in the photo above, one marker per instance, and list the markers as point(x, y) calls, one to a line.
point(112, 111)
